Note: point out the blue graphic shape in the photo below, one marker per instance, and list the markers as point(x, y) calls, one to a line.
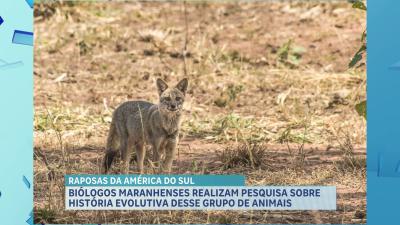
point(30, 219)
point(30, 3)
point(5, 65)
point(27, 183)
point(389, 164)
point(395, 66)
point(17, 200)
point(1, 20)
point(398, 167)
point(23, 38)
point(198, 180)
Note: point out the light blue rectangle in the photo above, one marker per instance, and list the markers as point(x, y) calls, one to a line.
point(22, 37)
point(153, 180)
point(395, 66)
point(383, 112)
point(16, 130)
point(201, 198)
point(389, 164)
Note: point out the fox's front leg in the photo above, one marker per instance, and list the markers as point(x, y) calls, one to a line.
point(156, 156)
point(156, 147)
point(170, 150)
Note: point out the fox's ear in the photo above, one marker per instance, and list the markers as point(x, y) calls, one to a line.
point(161, 86)
point(183, 85)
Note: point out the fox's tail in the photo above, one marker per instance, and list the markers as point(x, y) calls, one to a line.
point(111, 152)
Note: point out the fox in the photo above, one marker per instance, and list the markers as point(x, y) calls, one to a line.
point(136, 124)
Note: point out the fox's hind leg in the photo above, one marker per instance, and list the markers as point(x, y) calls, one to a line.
point(140, 154)
point(125, 154)
point(136, 139)
point(111, 151)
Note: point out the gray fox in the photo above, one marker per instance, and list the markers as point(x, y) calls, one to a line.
point(137, 123)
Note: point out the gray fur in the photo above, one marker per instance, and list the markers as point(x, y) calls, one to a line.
point(137, 123)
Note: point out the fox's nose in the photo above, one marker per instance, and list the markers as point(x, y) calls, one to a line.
point(173, 106)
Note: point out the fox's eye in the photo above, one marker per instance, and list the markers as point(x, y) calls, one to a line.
point(168, 99)
point(178, 99)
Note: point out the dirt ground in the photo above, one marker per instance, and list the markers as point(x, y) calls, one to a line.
point(269, 80)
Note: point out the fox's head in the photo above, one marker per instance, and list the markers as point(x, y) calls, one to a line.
point(172, 98)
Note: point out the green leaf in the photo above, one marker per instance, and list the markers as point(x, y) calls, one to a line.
point(284, 50)
point(358, 56)
point(361, 108)
point(364, 36)
point(359, 5)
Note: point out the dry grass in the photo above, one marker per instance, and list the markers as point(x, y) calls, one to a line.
point(245, 155)
point(270, 74)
